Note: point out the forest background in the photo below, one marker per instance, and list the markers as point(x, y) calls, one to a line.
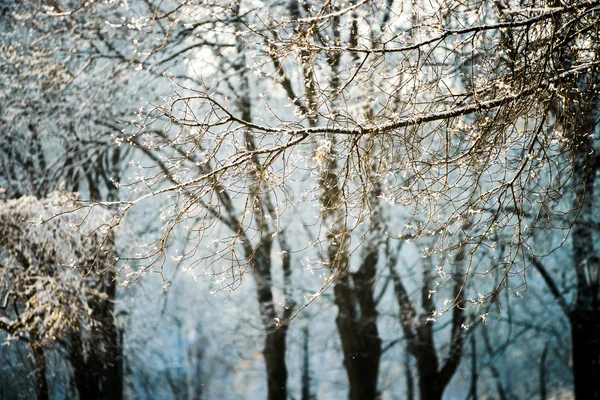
point(299, 200)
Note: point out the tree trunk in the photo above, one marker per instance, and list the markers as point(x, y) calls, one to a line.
point(275, 346)
point(274, 353)
point(585, 332)
point(99, 375)
point(577, 114)
point(474, 372)
point(41, 384)
point(109, 366)
point(87, 384)
point(360, 342)
point(583, 317)
point(306, 392)
point(410, 382)
point(361, 359)
point(543, 384)
point(434, 375)
point(430, 387)
point(430, 390)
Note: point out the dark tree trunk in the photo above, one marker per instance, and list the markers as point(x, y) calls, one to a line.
point(410, 381)
point(543, 389)
point(359, 335)
point(306, 392)
point(87, 383)
point(430, 390)
point(275, 342)
point(274, 353)
point(576, 111)
point(430, 386)
point(585, 334)
point(275, 346)
point(474, 372)
point(434, 375)
point(99, 374)
point(110, 362)
point(260, 259)
point(583, 316)
point(41, 384)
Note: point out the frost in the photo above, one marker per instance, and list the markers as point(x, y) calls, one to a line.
point(51, 263)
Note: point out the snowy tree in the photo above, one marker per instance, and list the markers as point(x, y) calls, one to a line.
point(328, 131)
point(57, 289)
point(481, 119)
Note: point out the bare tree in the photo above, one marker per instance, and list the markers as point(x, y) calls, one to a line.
point(434, 370)
point(476, 155)
point(472, 123)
